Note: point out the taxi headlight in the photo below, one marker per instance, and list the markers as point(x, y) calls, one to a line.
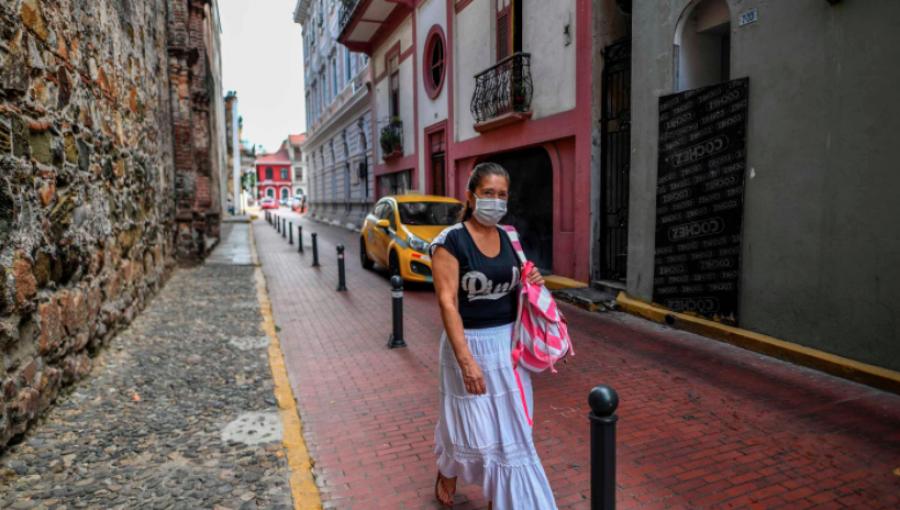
point(417, 244)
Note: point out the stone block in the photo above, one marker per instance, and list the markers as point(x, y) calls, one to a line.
point(95, 301)
point(70, 313)
point(80, 302)
point(32, 13)
point(24, 409)
point(26, 284)
point(25, 377)
point(51, 328)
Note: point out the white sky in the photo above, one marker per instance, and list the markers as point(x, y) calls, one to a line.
point(262, 59)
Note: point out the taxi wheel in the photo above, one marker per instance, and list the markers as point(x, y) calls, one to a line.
point(394, 264)
point(364, 255)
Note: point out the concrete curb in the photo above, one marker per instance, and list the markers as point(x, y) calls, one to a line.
point(303, 485)
point(836, 365)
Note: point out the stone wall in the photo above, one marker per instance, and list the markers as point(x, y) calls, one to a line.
point(87, 206)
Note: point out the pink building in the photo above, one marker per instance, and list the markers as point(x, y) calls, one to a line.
point(460, 82)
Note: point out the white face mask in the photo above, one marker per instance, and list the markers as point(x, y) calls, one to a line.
point(489, 211)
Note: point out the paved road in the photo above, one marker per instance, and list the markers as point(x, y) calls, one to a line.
point(702, 424)
point(179, 412)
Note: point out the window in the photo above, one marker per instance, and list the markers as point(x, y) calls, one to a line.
point(703, 45)
point(397, 183)
point(509, 28)
point(268, 173)
point(334, 184)
point(347, 181)
point(284, 174)
point(394, 69)
point(429, 213)
point(334, 78)
point(434, 64)
point(347, 74)
point(270, 192)
point(285, 193)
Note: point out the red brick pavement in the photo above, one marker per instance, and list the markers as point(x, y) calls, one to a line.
point(702, 424)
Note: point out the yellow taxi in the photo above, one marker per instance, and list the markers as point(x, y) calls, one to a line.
point(399, 230)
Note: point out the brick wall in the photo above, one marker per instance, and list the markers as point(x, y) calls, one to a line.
point(96, 170)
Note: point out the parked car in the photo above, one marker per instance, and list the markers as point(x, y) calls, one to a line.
point(399, 230)
point(269, 203)
point(297, 204)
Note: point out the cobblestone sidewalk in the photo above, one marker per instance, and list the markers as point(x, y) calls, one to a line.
point(178, 413)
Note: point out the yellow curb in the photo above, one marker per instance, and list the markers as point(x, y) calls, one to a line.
point(836, 365)
point(303, 485)
point(554, 282)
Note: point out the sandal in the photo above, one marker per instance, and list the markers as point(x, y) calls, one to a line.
point(446, 503)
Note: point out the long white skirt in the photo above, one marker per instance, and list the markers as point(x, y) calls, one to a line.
point(486, 439)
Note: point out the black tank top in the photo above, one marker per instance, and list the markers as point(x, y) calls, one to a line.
point(488, 287)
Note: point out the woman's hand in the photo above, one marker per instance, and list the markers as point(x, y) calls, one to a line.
point(473, 378)
point(535, 277)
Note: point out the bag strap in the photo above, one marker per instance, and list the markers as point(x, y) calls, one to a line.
point(516, 243)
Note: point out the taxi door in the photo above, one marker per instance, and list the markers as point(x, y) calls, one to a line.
point(381, 238)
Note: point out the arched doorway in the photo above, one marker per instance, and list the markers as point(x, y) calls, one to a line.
point(531, 202)
point(703, 45)
point(285, 193)
point(270, 192)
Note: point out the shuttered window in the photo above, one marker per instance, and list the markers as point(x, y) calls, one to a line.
point(503, 34)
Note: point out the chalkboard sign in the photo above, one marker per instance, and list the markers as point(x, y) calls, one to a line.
point(700, 199)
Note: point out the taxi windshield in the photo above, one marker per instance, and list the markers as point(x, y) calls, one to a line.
point(429, 213)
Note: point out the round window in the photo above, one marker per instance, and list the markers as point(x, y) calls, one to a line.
point(435, 61)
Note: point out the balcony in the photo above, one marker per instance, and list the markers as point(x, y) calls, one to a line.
point(364, 23)
point(347, 8)
point(392, 140)
point(503, 93)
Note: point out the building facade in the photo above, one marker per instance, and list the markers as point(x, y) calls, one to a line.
point(338, 149)
point(273, 176)
point(457, 83)
point(763, 184)
point(198, 116)
point(299, 169)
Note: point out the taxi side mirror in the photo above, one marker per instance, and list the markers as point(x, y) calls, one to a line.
point(383, 224)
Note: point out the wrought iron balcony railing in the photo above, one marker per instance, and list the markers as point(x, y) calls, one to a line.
point(392, 139)
point(347, 8)
point(506, 87)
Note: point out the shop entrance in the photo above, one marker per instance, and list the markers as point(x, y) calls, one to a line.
point(531, 202)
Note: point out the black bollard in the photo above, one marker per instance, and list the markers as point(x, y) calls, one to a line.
point(396, 339)
point(284, 227)
point(299, 238)
point(342, 281)
point(315, 250)
point(291, 230)
point(277, 224)
point(603, 401)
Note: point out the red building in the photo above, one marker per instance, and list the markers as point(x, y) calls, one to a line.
point(273, 175)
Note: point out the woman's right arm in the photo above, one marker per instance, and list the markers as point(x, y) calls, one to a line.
point(446, 281)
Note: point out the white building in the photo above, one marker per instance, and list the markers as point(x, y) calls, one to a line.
point(338, 146)
point(299, 169)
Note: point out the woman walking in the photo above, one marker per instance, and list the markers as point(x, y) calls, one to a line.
point(483, 436)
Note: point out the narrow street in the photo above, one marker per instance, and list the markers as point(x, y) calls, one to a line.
point(702, 424)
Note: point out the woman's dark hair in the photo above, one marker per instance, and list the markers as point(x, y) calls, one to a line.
point(481, 171)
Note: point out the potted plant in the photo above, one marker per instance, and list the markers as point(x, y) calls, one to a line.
point(391, 139)
point(519, 95)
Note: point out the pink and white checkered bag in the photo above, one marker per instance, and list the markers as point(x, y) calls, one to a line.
point(540, 336)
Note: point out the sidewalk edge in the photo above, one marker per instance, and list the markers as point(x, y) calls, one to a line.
point(303, 485)
point(870, 375)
